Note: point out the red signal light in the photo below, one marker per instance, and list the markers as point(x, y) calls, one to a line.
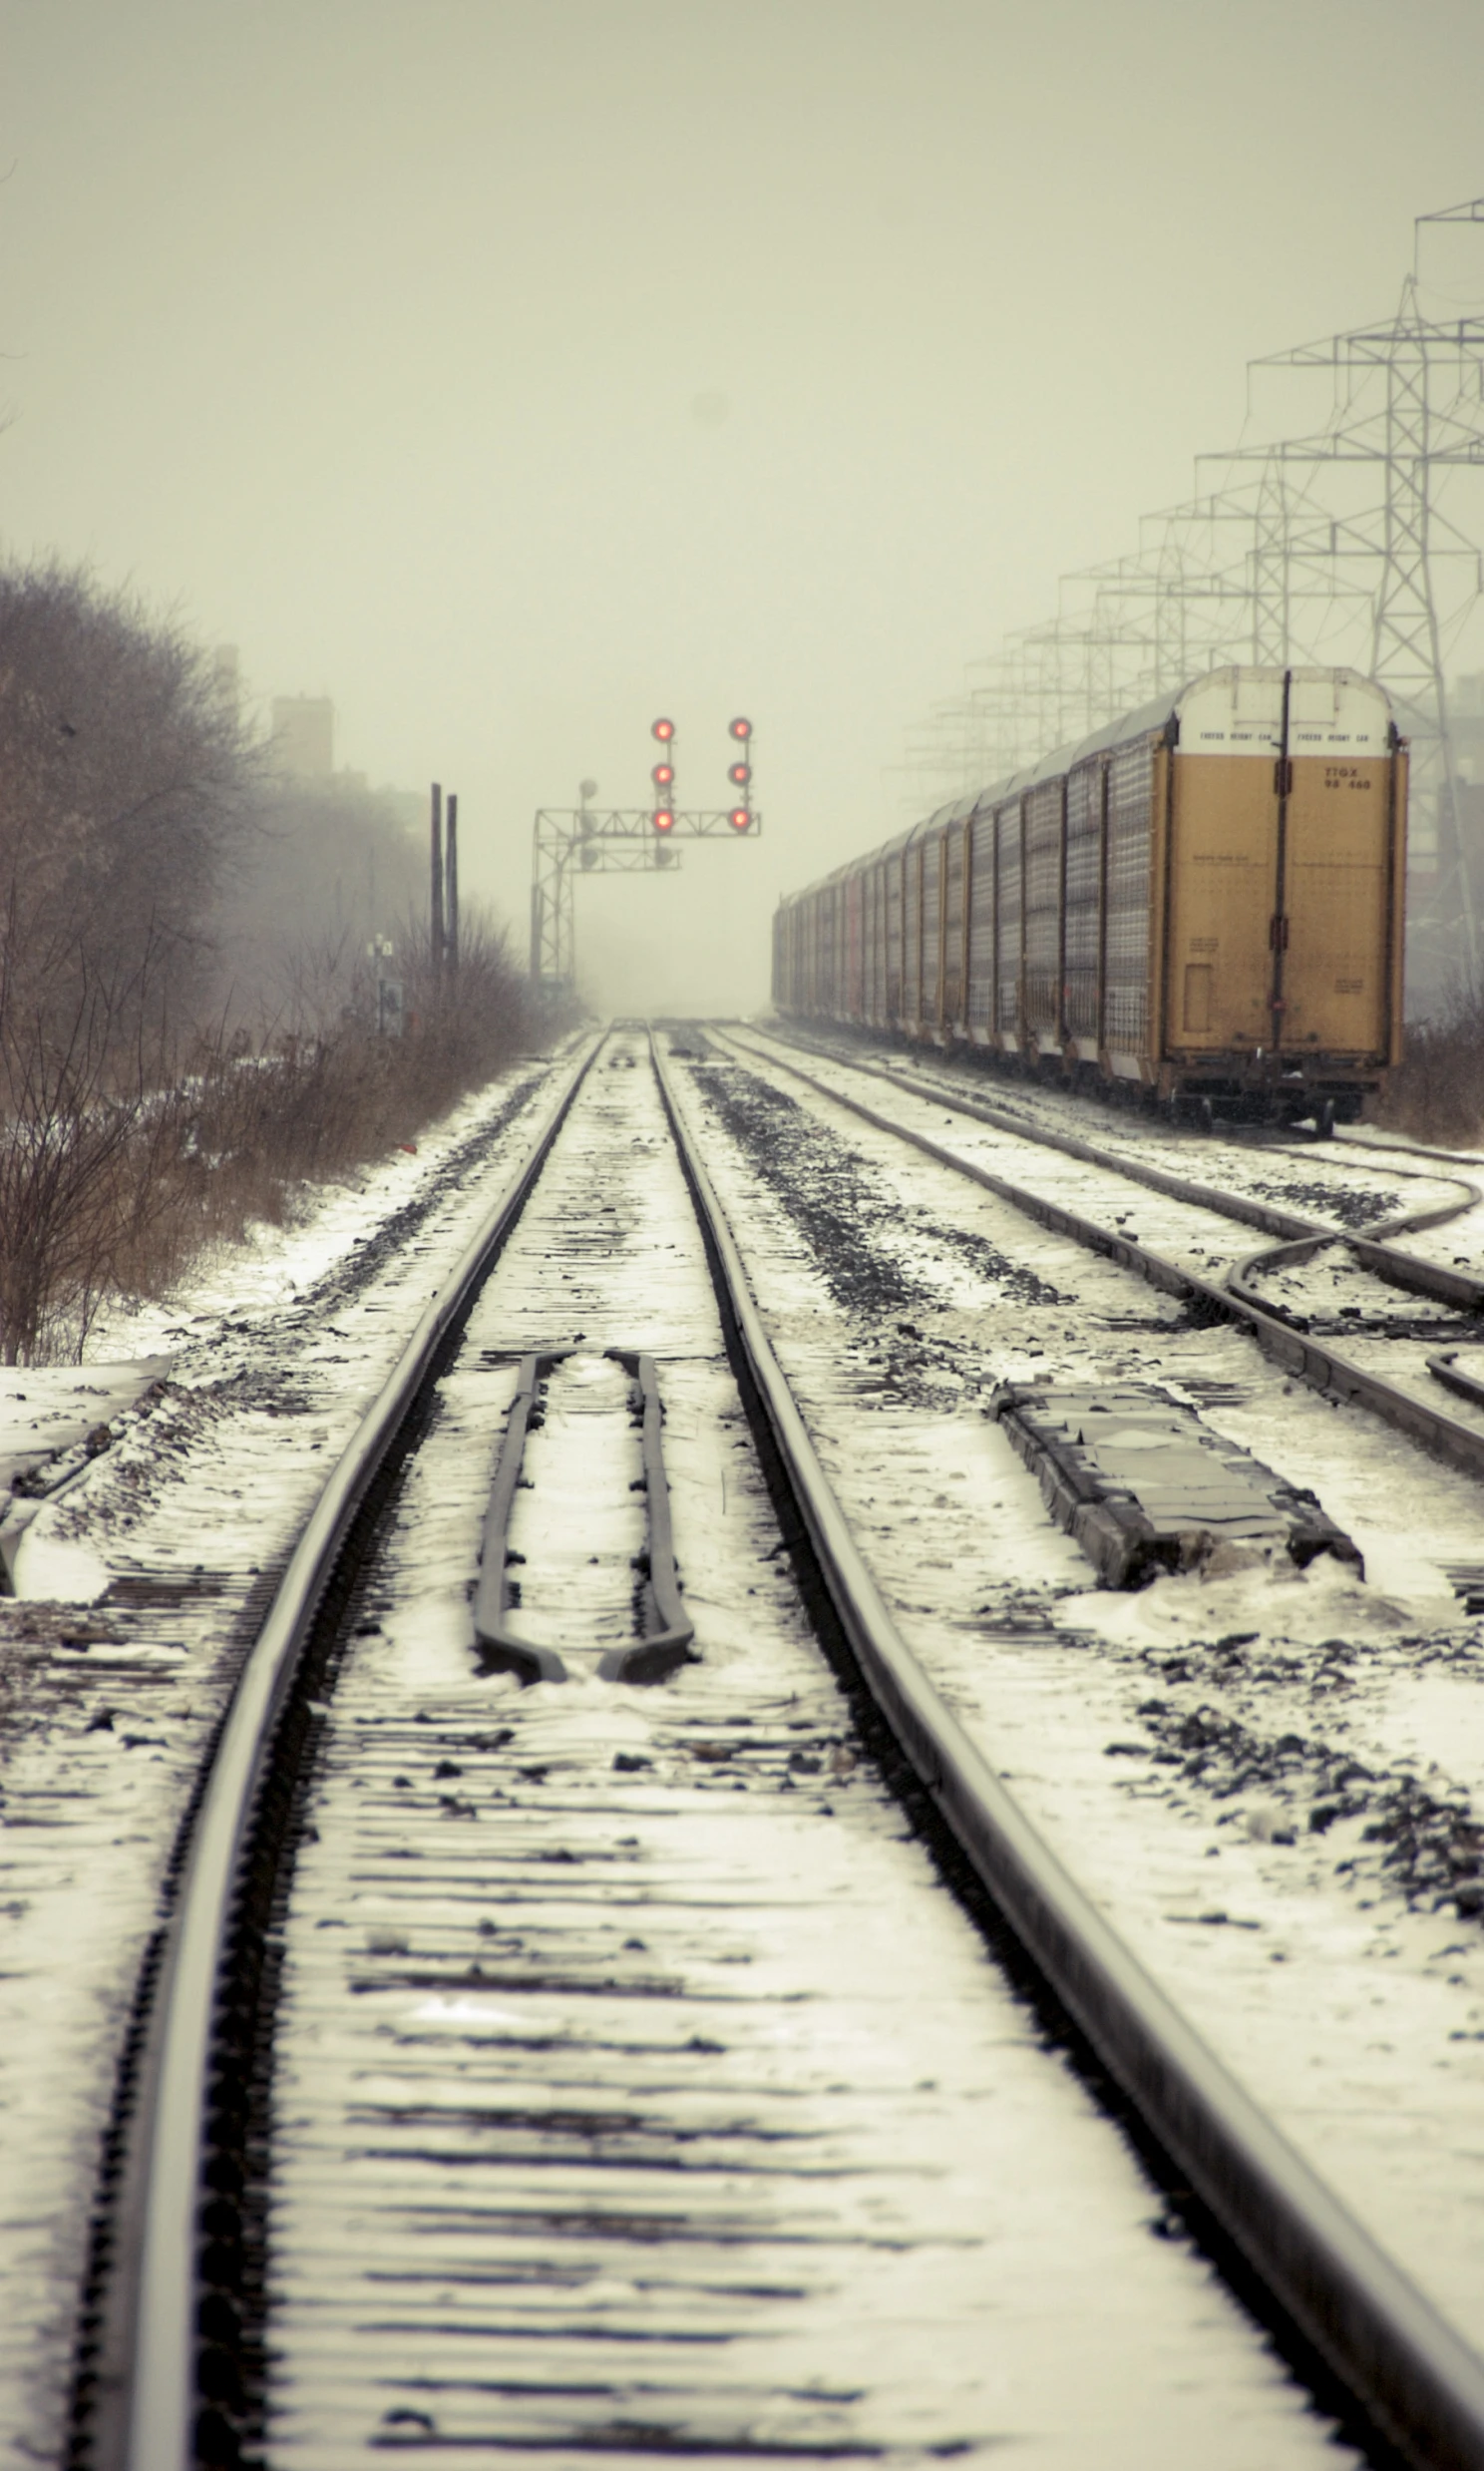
point(741, 773)
point(741, 728)
point(662, 775)
point(740, 818)
point(663, 819)
point(664, 730)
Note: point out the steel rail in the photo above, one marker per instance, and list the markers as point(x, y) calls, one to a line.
point(1324, 1368)
point(665, 1641)
point(1388, 2346)
point(1404, 1270)
point(1463, 1384)
point(1397, 1147)
point(160, 2339)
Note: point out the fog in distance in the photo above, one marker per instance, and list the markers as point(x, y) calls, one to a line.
point(513, 373)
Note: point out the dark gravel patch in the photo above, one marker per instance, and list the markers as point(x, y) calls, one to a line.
point(1347, 1205)
point(1420, 1839)
point(852, 1228)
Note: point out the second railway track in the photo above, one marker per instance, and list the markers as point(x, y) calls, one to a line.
point(1247, 1291)
point(607, 2072)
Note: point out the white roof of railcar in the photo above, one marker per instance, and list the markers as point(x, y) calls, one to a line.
point(1146, 720)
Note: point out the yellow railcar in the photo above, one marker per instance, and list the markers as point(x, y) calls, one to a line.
point(1204, 903)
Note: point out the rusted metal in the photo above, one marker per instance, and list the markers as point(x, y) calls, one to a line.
point(1463, 1384)
point(1143, 1485)
point(668, 1631)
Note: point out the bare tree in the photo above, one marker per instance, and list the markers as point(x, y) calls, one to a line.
point(124, 783)
point(124, 779)
point(138, 832)
point(69, 1164)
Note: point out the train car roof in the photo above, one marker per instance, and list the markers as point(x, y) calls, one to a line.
point(1142, 721)
point(1145, 720)
point(931, 823)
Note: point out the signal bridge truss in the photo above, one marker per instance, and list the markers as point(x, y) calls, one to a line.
point(572, 842)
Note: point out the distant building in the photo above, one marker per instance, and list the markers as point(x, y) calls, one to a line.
point(304, 736)
point(304, 752)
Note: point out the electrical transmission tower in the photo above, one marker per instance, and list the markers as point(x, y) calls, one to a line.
point(1326, 545)
point(1409, 401)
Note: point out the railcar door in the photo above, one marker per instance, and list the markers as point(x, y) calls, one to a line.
point(955, 841)
point(893, 875)
point(1044, 876)
point(981, 928)
point(1335, 907)
point(1010, 947)
point(855, 948)
point(930, 1016)
point(911, 935)
point(1224, 852)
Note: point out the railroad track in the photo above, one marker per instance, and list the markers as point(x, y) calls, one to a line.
point(1238, 1295)
point(1415, 1275)
point(534, 2071)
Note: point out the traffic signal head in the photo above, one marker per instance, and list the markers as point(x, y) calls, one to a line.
point(741, 773)
point(664, 730)
point(741, 728)
point(662, 775)
point(740, 818)
point(663, 819)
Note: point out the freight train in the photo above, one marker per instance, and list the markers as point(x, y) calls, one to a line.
point(1203, 905)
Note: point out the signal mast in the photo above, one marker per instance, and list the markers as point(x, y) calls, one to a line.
point(663, 777)
point(569, 841)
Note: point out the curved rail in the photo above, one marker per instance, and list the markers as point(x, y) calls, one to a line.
point(1404, 1270)
point(1297, 1351)
point(1463, 1384)
point(1397, 1147)
point(669, 1628)
point(1419, 2380)
point(160, 2338)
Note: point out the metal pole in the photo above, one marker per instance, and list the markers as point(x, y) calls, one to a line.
point(435, 861)
point(451, 880)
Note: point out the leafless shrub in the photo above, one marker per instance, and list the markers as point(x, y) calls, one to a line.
point(123, 781)
point(317, 1092)
point(134, 822)
point(1437, 1091)
point(77, 1158)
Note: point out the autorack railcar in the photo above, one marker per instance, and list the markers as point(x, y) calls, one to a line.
point(1203, 904)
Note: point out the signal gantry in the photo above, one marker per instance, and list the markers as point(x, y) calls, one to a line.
point(570, 842)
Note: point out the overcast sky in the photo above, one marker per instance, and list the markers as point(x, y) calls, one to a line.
point(513, 373)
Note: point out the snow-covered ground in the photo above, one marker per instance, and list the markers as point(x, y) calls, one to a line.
point(639, 2089)
point(143, 1584)
point(1352, 1190)
point(1380, 1328)
point(1272, 1783)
